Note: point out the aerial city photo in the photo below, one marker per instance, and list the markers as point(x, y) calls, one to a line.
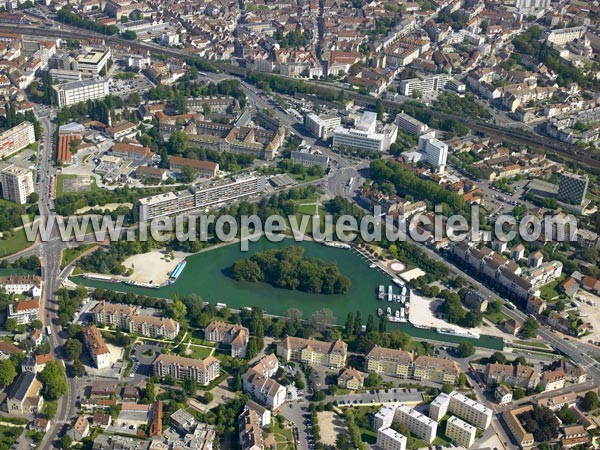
point(299, 224)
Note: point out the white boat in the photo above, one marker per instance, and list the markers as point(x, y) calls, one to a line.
point(142, 284)
point(459, 333)
point(99, 277)
point(398, 282)
point(221, 305)
point(379, 312)
point(389, 311)
point(336, 244)
point(372, 266)
point(421, 327)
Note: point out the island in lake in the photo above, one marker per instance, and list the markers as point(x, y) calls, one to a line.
point(288, 268)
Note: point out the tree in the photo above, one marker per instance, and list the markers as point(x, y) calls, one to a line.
point(370, 323)
point(189, 386)
point(178, 310)
point(66, 441)
point(498, 357)
point(37, 324)
point(379, 109)
point(73, 349)
point(207, 398)
point(188, 174)
point(590, 401)
point(322, 318)
point(518, 394)
point(349, 328)
point(181, 104)
point(134, 99)
point(11, 324)
point(495, 306)
point(357, 323)
point(373, 380)
point(567, 415)
point(7, 372)
point(178, 142)
point(130, 35)
point(465, 349)
point(150, 391)
point(33, 197)
point(53, 380)
point(78, 369)
point(530, 328)
point(447, 388)
point(462, 380)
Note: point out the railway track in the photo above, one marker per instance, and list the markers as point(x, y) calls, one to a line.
point(535, 140)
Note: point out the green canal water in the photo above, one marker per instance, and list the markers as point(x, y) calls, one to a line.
point(206, 275)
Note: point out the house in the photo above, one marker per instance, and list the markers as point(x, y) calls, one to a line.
point(80, 429)
point(94, 343)
point(101, 420)
point(121, 129)
point(130, 393)
point(556, 403)
point(517, 252)
point(574, 435)
point(474, 300)
point(535, 305)
point(237, 336)
point(590, 284)
point(37, 337)
point(24, 395)
point(104, 389)
point(6, 348)
point(511, 326)
point(258, 383)
point(41, 425)
point(24, 311)
point(553, 379)
point(569, 286)
point(36, 363)
point(503, 394)
point(351, 379)
point(535, 259)
point(515, 376)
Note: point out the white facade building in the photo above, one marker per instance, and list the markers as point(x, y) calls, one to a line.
point(17, 138)
point(366, 135)
point(80, 91)
point(419, 424)
point(465, 408)
point(321, 127)
point(17, 184)
point(460, 431)
point(436, 151)
point(388, 439)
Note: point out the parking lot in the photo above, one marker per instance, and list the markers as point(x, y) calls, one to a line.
point(142, 355)
point(124, 87)
point(397, 395)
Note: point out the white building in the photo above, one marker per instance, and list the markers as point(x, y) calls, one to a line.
point(24, 311)
point(563, 36)
point(366, 135)
point(388, 439)
point(258, 383)
point(419, 424)
point(410, 124)
point(95, 344)
point(17, 138)
point(430, 84)
point(19, 284)
point(80, 91)
point(436, 151)
point(384, 417)
point(93, 60)
point(17, 184)
point(321, 127)
point(465, 408)
point(460, 431)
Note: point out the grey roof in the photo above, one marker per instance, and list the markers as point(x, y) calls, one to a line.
point(21, 386)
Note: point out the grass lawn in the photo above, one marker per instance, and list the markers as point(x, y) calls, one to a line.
point(70, 254)
point(198, 352)
point(300, 179)
point(361, 417)
point(283, 436)
point(549, 291)
point(60, 180)
point(17, 242)
point(8, 435)
point(530, 344)
point(496, 317)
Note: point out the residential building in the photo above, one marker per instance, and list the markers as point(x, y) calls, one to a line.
point(430, 84)
point(16, 138)
point(557, 402)
point(80, 429)
point(202, 371)
point(17, 184)
point(310, 159)
point(419, 424)
point(264, 414)
point(122, 129)
point(351, 379)
point(441, 370)
point(115, 442)
point(311, 351)
point(410, 125)
point(104, 389)
point(138, 153)
point(389, 439)
point(21, 284)
point(128, 318)
point(461, 406)
point(562, 36)
point(503, 394)
point(94, 342)
point(204, 169)
point(24, 395)
point(460, 431)
point(151, 173)
point(201, 196)
point(36, 363)
point(511, 419)
point(250, 436)
point(553, 379)
point(389, 362)
point(384, 417)
point(521, 376)
point(182, 421)
point(535, 305)
point(259, 384)
point(572, 188)
point(436, 151)
point(101, 420)
point(80, 91)
point(574, 435)
point(367, 135)
point(235, 335)
point(322, 127)
point(24, 311)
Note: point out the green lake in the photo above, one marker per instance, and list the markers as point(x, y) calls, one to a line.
point(206, 275)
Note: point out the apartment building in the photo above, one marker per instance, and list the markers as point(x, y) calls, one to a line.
point(389, 439)
point(80, 91)
point(367, 135)
point(202, 371)
point(24, 311)
point(16, 138)
point(17, 184)
point(436, 151)
point(128, 318)
point(94, 342)
point(389, 361)
point(553, 379)
point(322, 127)
point(237, 336)
point(204, 169)
point(562, 36)
point(20, 284)
point(200, 196)
point(461, 406)
point(440, 370)
point(258, 383)
point(351, 379)
point(460, 431)
point(515, 376)
point(410, 125)
point(310, 351)
point(572, 188)
point(511, 419)
point(419, 424)
point(430, 84)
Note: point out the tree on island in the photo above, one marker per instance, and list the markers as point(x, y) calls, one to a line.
point(290, 269)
